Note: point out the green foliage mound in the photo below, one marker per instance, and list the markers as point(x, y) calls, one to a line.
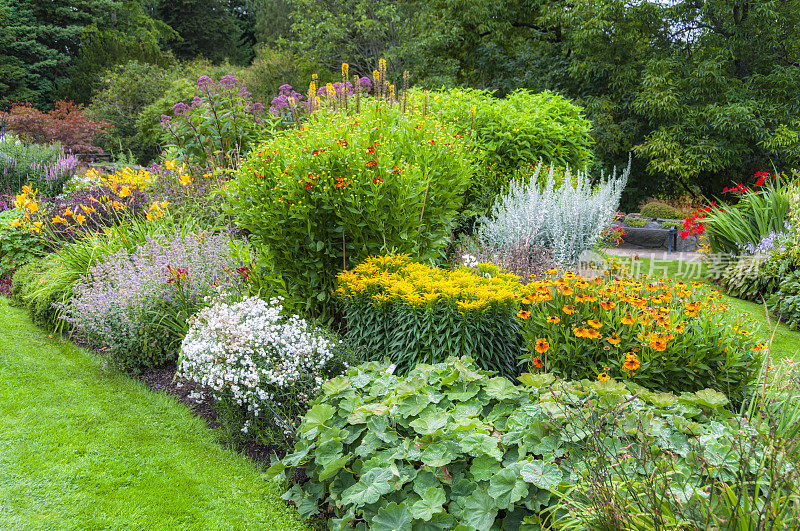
point(785, 302)
point(660, 210)
point(757, 277)
point(515, 133)
point(450, 446)
point(17, 247)
point(323, 198)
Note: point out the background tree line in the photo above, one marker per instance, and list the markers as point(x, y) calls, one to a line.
point(703, 92)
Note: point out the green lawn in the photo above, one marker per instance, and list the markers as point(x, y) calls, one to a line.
point(785, 344)
point(81, 448)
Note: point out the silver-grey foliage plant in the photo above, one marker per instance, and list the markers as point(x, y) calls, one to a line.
point(567, 219)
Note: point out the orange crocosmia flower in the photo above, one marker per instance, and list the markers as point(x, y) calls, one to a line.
point(568, 309)
point(537, 362)
point(542, 345)
point(553, 320)
point(607, 305)
point(631, 364)
point(594, 323)
point(522, 314)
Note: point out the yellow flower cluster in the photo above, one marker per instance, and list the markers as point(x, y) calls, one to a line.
point(127, 177)
point(26, 201)
point(398, 279)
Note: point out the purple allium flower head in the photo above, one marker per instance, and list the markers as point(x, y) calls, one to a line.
point(366, 84)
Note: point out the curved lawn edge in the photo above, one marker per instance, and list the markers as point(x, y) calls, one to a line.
point(82, 448)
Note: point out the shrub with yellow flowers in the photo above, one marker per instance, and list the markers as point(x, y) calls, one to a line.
point(411, 313)
point(661, 334)
point(70, 216)
point(346, 186)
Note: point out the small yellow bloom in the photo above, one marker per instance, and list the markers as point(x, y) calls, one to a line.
point(553, 320)
point(185, 179)
point(170, 164)
point(80, 218)
point(124, 192)
point(568, 309)
point(602, 376)
point(594, 323)
point(37, 227)
point(58, 219)
point(16, 223)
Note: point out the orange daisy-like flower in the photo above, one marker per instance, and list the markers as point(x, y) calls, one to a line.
point(525, 300)
point(537, 362)
point(522, 314)
point(658, 342)
point(567, 291)
point(614, 339)
point(542, 345)
point(603, 376)
point(607, 305)
point(553, 320)
point(593, 334)
point(594, 323)
point(627, 319)
point(631, 364)
point(568, 309)
point(580, 331)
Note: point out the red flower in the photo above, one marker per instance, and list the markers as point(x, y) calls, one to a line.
point(308, 185)
point(377, 180)
point(371, 163)
point(761, 181)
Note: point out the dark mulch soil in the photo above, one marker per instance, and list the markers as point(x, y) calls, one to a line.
point(5, 286)
point(162, 380)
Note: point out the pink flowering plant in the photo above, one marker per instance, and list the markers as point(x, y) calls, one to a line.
point(219, 126)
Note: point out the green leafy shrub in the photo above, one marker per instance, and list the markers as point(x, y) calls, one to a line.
point(343, 188)
point(661, 210)
point(515, 134)
point(17, 247)
point(413, 313)
point(450, 446)
point(636, 222)
point(123, 93)
point(662, 335)
point(785, 302)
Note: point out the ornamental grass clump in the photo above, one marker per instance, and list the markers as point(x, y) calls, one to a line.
point(136, 304)
point(412, 313)
point(567, 219)
point(263, 367)
point(323, 198)
point(663, 335)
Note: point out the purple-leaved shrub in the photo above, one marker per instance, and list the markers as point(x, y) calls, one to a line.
point(136, 305)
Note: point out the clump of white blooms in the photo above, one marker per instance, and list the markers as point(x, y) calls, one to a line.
point(252, 355)
point(566, 219)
